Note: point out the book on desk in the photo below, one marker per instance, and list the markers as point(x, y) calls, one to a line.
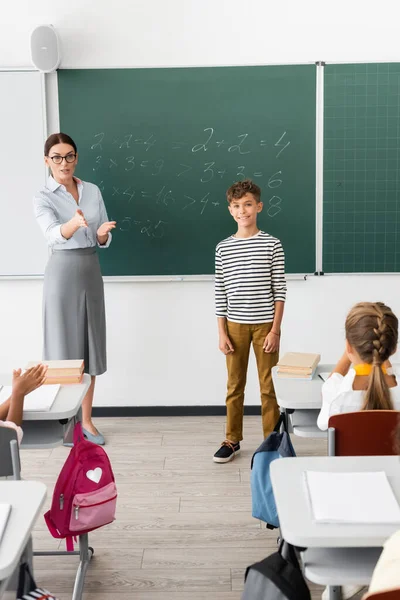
point(63, 372)
point(298, 365)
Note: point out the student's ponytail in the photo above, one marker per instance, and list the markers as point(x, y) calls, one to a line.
point(372, 330)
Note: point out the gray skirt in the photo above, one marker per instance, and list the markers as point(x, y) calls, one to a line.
point(73, 309)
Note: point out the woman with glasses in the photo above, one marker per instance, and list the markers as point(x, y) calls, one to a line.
point(74, 221)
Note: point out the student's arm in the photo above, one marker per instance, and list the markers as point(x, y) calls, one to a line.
point(225, 344)
point(278, 284)
point(12, 409)
point(271, 342)
point(343, 365)
point(221, 306)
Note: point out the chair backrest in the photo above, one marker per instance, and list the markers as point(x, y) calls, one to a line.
point(10, 465)
point(387, 595)
point(363, 433)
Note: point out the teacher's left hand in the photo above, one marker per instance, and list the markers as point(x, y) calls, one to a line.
point(106, 228)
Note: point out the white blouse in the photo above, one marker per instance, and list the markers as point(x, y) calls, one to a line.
point(338, 397)
point(54, 206)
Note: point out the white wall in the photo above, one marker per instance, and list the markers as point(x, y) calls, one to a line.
point(162, 336)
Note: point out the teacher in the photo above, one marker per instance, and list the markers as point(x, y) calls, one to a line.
point(73, 219)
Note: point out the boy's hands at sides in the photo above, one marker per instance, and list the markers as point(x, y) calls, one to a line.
point(271, 343)
point(225, 344)
point(23, 384)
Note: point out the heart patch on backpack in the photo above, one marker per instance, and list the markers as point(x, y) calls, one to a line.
point(95, 474)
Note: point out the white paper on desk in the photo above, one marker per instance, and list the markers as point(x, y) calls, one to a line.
point(5, 510)
point(352, 498)
point(40, 399)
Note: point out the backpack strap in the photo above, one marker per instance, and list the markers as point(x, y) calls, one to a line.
point(52, 528)
point(69, 543)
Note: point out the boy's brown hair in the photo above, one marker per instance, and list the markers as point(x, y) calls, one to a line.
point(241, 188)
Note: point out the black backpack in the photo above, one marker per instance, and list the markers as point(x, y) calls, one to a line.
point(277, 577)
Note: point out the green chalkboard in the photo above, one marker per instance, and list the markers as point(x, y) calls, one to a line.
point(361, 168)
point(164, 145)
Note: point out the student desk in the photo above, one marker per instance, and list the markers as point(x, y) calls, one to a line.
point(51, 428)
point(300, 401)
point(26, 499)
point(336, 553)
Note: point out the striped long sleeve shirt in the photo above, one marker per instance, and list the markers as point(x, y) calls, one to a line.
point(249, 278)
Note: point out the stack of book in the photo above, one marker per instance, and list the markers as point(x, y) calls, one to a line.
point(298, 365)
point(61, 371)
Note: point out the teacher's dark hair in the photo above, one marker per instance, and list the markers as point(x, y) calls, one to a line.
point(58, 138)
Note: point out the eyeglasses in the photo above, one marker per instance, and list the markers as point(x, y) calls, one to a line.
point(57, 159)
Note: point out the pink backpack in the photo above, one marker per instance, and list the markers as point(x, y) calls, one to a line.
point(85, 495)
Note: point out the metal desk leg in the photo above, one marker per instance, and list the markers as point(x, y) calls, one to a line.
point(69, 428)
point(86, 553)
point(335, 592)
point(284, 417)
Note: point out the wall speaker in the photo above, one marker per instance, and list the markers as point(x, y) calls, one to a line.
point(45, 48)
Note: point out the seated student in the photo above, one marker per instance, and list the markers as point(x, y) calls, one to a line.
point(11, 410)
point(370, 384)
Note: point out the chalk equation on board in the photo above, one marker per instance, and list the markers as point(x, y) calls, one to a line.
point(129, 165)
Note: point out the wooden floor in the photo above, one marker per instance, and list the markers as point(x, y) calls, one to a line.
point(184, 527)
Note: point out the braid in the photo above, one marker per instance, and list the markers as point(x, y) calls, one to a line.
point(383, 342)
point(372, 330)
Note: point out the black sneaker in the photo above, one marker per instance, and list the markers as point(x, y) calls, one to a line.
point(226, 452)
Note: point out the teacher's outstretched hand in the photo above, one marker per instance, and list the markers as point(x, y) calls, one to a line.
point(104, 230)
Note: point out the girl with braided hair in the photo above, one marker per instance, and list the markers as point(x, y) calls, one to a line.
point(363, 379)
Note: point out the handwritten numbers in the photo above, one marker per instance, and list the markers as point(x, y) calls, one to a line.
point(159, 230)
point(150, 142)
point(146, 228)
point(126, 224)
point(281, 144)
point(237, 147)
point(204, 201)
point(98, 161)
point(131, 161)
point(208, 172)
point(240, 174)
point(274, 206)
point(158, 165)
point(126, 142)
point(165, 197)
point(128, 193)
point(99, 137)
point(204, 147)
point(274, 181)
